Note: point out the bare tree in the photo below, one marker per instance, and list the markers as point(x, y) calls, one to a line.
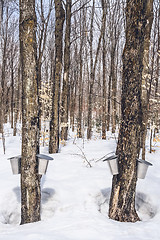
point(157, 72)
point(122, 201)
point(104, 114)
point(65, 90)
point(1, 13)
point(17, 100)
point(54, 124)
point(93, 65)
point(80, 78)
point(146, 75)
point(42, 38)
point(30, 181)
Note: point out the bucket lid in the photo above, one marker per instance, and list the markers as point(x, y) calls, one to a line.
point(111, 158)
point(144, 162)
point(43, 156)
point(16, 157)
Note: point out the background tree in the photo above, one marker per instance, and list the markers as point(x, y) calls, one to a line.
point(54, 124)
point(82, 23)
point(93, 65)
point(42, 31)
point(104, 114)
point(4, 69)
point(65, 89)
point(1, 13)
point(146, 76)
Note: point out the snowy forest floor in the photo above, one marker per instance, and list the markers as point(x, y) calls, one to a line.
point(75, 197)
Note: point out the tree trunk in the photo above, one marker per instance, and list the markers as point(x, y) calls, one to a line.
point(89, 129)
point(114, 87)
point(104, 104)
point(41, 47)
point(146, 76)
point(3, 89)
point(122, 201)
point(1, 13)
point(109, 103)
point(157, 75)
point(90, 90)
point(73, 92)
point(80, 79)
point(65, 90)
point(17, 94)
point(80, 98)
point(93, 68)
point(12, 91)
point(39, 66)
point(54, 124)
point(30, 181)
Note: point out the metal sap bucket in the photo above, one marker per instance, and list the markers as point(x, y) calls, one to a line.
point(15, 164)
point(43, 163)
point(142, 168)
point(113, 164)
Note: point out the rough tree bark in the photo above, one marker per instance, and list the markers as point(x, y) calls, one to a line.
point(65, 90)
point(30, 181)
point(54, 124)
point(122, 201)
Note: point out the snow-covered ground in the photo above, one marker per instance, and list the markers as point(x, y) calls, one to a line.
point(75, 197)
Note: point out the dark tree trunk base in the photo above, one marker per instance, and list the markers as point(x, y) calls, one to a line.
point(124, 216)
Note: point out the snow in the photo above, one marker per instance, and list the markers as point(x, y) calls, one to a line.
point(75, 197)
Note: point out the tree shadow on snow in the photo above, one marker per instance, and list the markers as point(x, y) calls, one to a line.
point(144, 206)
point(46, 194)
point(11, 205)
point(103, 200)
point(17, 192)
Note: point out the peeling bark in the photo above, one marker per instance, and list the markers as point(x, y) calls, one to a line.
point(30, 181)
point(122, 201)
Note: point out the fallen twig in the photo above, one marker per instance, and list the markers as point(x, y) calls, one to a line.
point(84, 156)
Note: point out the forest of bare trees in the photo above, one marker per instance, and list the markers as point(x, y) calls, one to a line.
point(81, 66)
